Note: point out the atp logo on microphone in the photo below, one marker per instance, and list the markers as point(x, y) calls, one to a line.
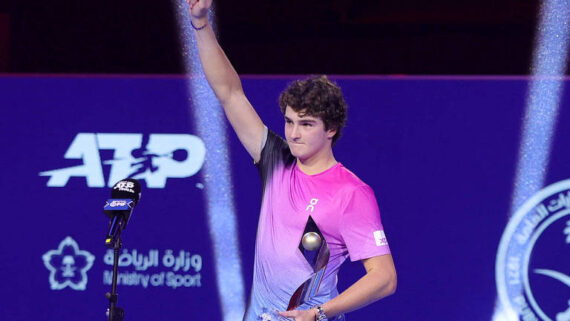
point(120, 203)
point(125, 186)
point(153, 158)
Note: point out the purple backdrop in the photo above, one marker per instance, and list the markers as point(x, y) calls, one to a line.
point(440, 154)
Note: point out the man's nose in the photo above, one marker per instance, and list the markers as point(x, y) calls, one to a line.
point(295, 132)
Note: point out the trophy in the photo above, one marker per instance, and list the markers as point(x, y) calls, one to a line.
point(316, 251)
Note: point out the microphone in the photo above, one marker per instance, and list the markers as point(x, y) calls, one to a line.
point(125, 195)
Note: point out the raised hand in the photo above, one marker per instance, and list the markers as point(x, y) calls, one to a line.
point(199, 9)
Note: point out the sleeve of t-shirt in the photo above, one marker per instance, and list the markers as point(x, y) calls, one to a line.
point(361, 226)
point(273, 152)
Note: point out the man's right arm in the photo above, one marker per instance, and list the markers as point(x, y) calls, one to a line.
point(225, 81)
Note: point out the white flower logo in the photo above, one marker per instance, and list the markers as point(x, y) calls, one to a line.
point(68, 265)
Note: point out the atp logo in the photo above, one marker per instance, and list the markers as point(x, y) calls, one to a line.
point(68, 266)
point(152, 158)
point(533, 261)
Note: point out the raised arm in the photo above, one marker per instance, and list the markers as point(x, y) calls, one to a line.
point(225, 81)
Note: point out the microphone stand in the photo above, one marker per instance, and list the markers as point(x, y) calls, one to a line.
point(115, 313)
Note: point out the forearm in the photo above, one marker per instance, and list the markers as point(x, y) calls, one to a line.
point(224, 80)
point(219, 72)
point(373, 286)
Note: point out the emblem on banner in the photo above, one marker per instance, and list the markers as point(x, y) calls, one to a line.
point(533, 261)
point(152, 158)
point(68, 265)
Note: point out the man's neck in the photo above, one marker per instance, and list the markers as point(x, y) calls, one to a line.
point(316, 164)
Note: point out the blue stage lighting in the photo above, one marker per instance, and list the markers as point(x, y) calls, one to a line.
point(210, 124)
point(545, 88)
point(543, 99)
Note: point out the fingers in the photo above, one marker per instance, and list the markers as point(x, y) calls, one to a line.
point(201, 5)
point(192, 3)
point(290, 314)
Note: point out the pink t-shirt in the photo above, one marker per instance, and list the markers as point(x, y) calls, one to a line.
point(344, 209)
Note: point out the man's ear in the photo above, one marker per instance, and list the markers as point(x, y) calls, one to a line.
point(331, 132)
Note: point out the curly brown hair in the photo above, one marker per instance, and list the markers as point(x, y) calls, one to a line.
point(318, 97)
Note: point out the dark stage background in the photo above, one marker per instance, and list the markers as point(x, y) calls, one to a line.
point(274, 36)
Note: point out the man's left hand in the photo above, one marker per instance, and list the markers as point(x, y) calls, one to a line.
point(300, 315)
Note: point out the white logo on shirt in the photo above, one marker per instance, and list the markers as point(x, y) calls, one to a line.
point(380, 238)
point(312, 204)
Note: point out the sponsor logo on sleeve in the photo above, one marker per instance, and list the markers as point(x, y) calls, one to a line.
point(380, 238)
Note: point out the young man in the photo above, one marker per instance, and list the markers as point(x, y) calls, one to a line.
point(301, 178)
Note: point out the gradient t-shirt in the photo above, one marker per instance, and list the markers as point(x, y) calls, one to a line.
point(344, 209)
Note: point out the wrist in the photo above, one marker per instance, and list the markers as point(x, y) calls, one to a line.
point(319, 313)
point(315, 313)
point(199, 23)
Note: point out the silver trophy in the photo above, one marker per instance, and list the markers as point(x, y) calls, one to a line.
point(316, 251)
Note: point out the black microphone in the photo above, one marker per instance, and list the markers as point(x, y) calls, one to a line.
point(124, 197)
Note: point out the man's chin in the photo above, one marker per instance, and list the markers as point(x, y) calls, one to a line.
point(295, 154)
point(299, 155)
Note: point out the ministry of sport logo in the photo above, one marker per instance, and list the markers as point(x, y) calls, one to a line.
point(533, 261)
point(152, 158)
point(68, 265)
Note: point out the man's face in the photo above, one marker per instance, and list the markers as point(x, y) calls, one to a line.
point(306, 135)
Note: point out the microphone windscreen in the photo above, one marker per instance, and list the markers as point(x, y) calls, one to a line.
point(127, 188)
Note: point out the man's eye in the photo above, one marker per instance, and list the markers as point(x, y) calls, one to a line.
point(307, 124)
